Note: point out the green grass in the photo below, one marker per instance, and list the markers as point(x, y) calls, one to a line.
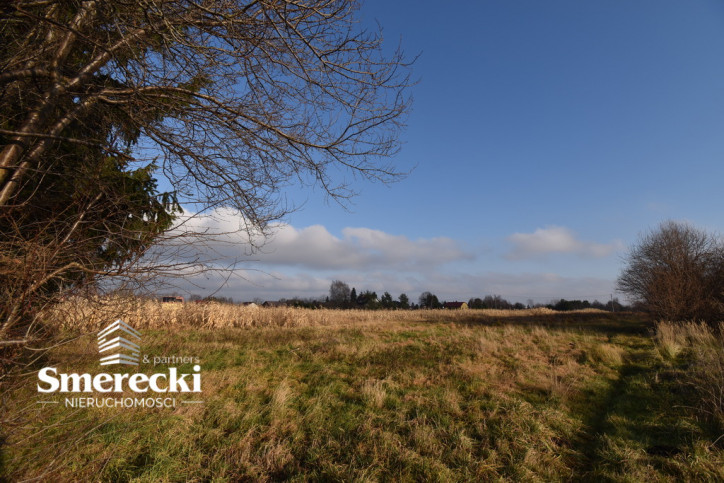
point(577, 398)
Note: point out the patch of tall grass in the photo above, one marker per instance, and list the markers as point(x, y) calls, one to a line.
point(700, 348)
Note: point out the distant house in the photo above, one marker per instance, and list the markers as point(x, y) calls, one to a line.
point(455, 305)
point(270, 303)
point(172, 299)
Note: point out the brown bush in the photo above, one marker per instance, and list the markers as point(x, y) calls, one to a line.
point(676, 272)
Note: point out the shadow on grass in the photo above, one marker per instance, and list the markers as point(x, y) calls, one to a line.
point(625, 323)
point(633, 423)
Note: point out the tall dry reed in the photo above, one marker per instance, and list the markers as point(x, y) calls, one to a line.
point(92, 314)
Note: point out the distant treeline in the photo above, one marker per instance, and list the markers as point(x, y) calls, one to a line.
point(369, 300)
point(612, 305)
point(341, 296)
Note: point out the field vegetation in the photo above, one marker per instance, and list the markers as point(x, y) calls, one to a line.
point(92, 314)
point(386, 395)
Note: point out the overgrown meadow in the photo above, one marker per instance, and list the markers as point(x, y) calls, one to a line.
point(368, 396)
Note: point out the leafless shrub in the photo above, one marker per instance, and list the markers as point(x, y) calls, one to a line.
point(676, 272)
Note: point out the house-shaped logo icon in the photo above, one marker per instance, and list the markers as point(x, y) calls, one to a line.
point(119, 336)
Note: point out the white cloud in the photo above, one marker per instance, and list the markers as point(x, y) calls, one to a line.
point(315, 248)
point(556, 239)
point(359, 248)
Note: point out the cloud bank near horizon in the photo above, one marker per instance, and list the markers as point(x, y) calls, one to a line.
point(303, 262)
point(538, 287)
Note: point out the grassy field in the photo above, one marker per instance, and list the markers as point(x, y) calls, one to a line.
point(370, 396)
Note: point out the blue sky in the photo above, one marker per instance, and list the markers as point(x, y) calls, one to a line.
point(544, 137)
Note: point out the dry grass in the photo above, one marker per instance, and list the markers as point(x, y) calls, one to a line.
point(374, 393)
point(91, 315)
point(699, 349)
point(368, 396)
point(608, 354)
point(671, 338)
point(331, 395)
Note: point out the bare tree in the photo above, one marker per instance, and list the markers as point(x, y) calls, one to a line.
point(237, 97)
point(231, 100)
point(429, 300)
point(339, 293)
point(676, 272)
